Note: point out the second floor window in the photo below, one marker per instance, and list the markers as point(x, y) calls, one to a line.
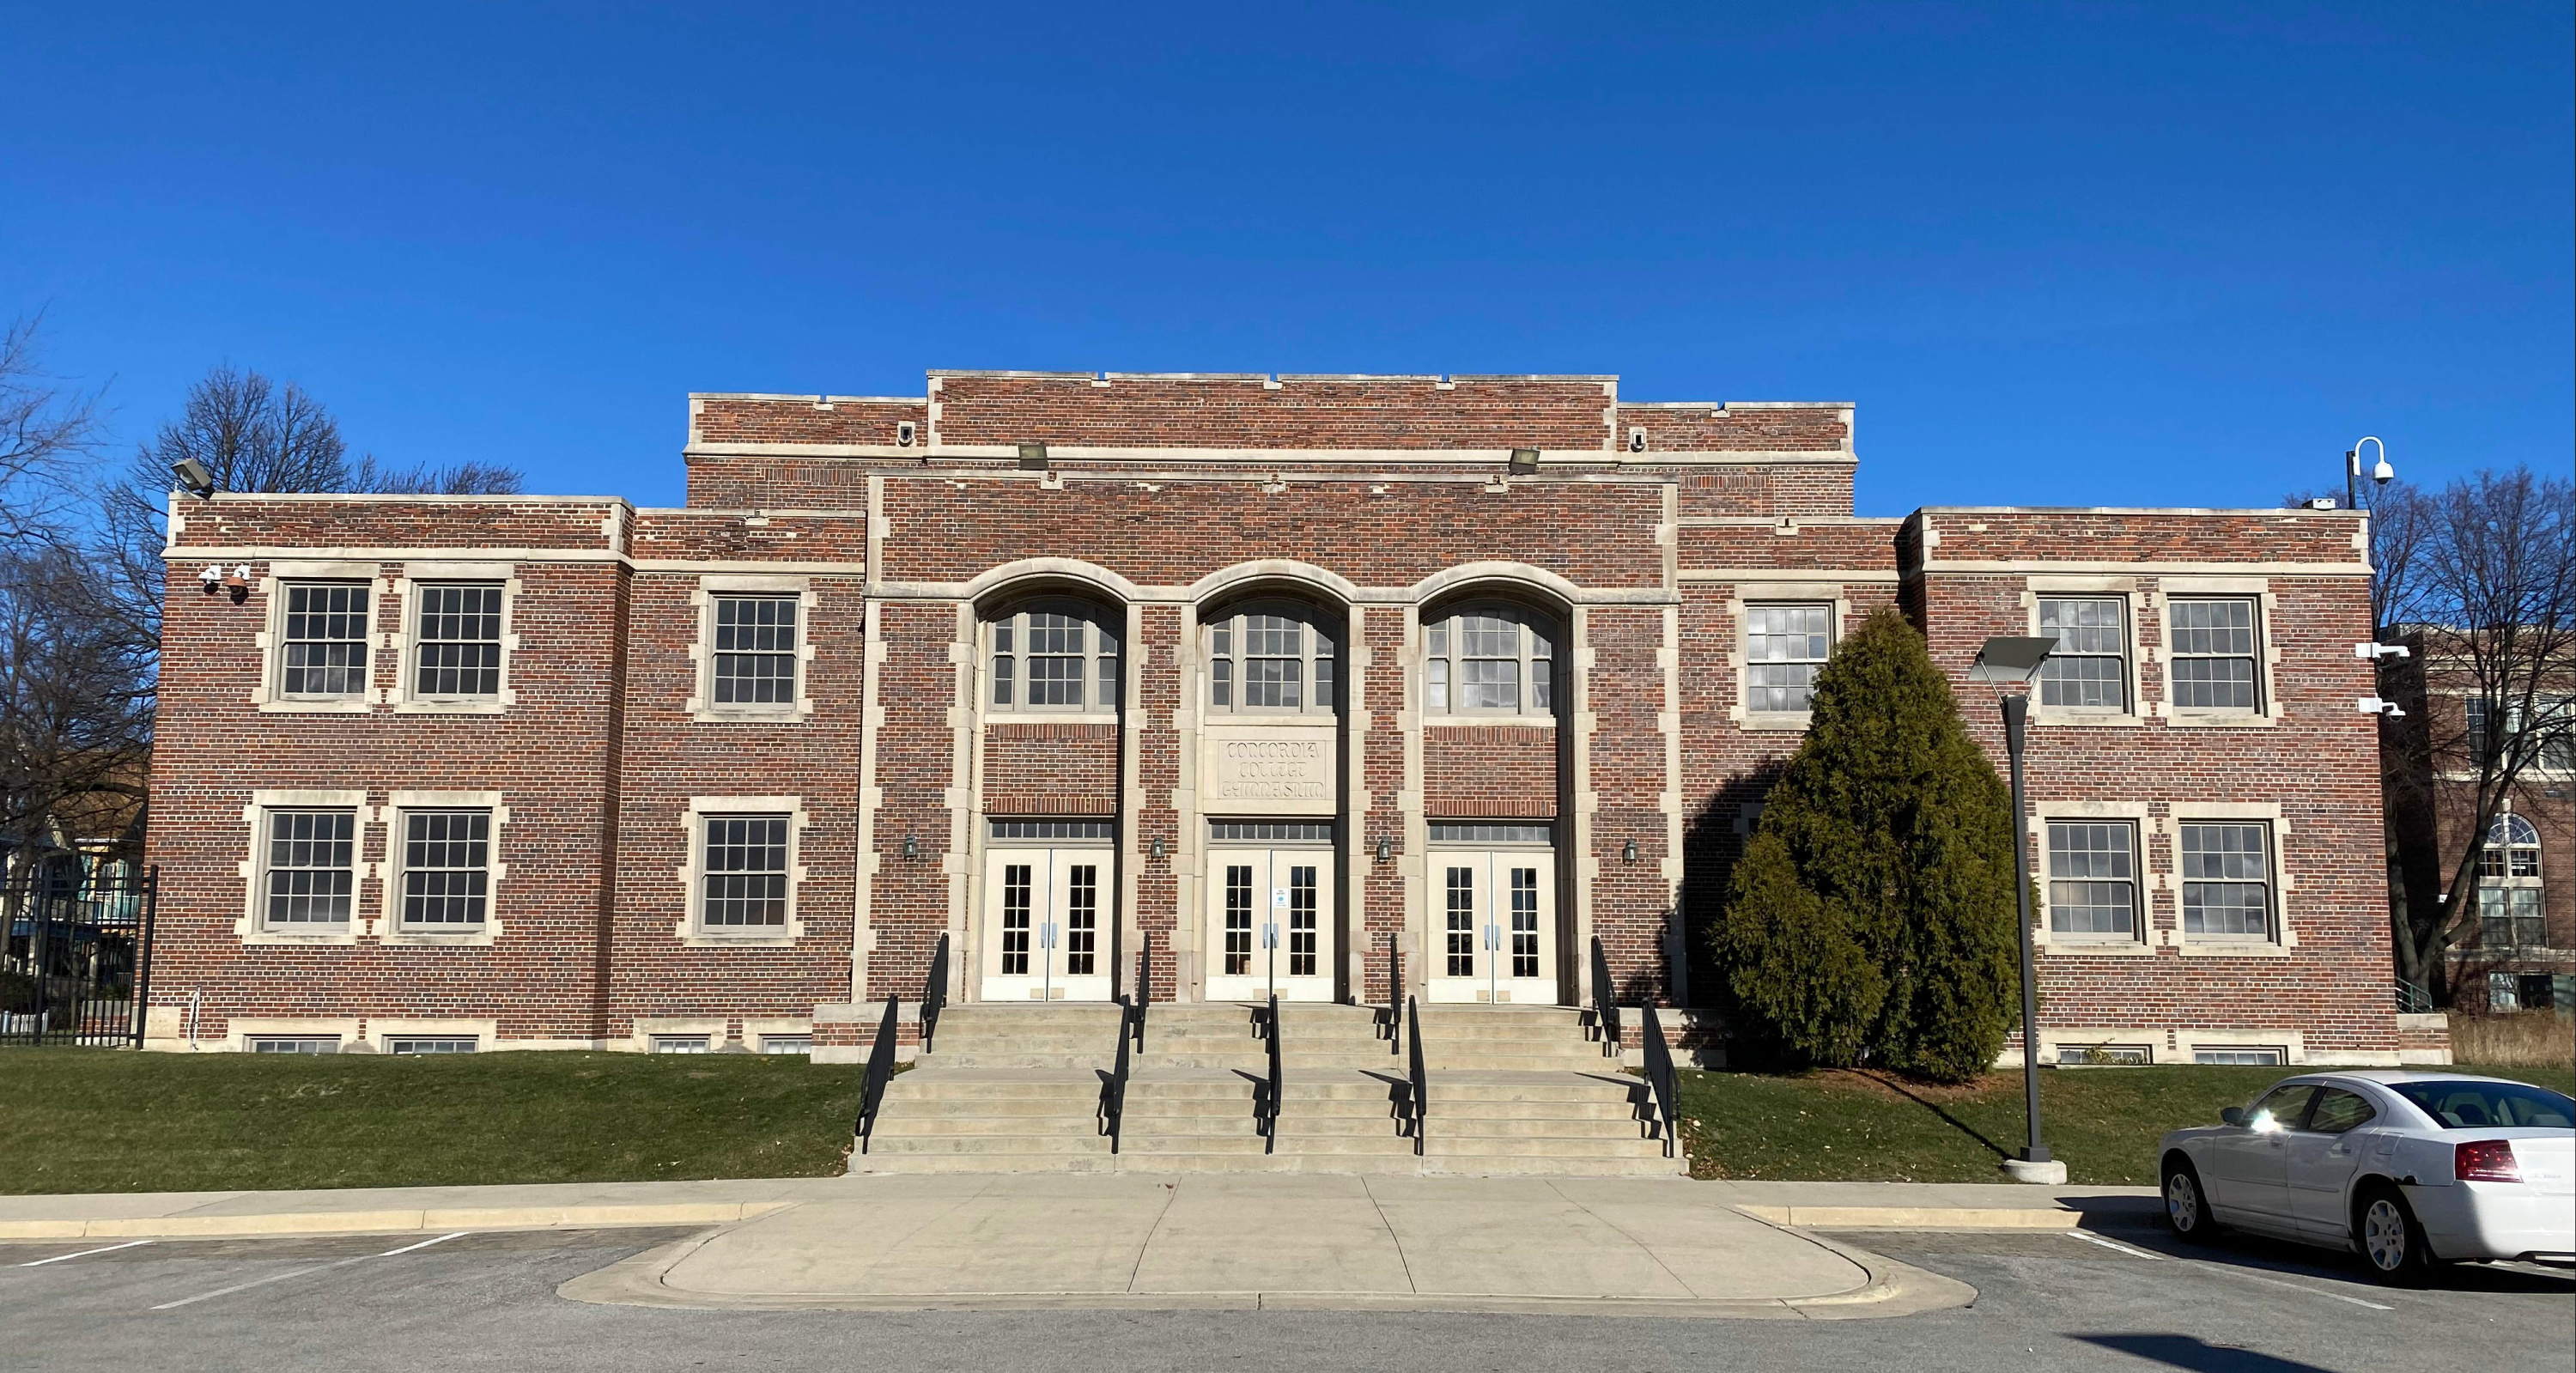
point(456, 635)
point(2089, 668)
point(1490, 660)
point(2214, 653)
point(1270, 659)
point(324, 640)
point(1784, 648)
point(1054, 657)
point(755, 657)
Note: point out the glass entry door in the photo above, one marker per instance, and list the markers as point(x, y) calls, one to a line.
point(1047, 924)
point(1493, 926)
point(1270, 918)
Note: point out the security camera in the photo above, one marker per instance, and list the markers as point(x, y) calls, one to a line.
point(1637, 439)
point(903, 432)
point(193, 475)
point(2383, 473)
point(2372, 705)
point(2377, 651)
point(210, 579)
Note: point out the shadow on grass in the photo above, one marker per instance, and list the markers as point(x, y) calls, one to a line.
point(1897, 1085)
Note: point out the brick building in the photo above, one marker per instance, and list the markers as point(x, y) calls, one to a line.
point(1056, 663)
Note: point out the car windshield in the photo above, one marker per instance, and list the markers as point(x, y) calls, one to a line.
point(2469, 1105)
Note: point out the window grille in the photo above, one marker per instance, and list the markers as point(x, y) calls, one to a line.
point(1270, 659)
point(312, 866)
point(682, 1044)
point(1010, 830)
point(1054, 657)
point(1081, 919)
point(1489, 832)
point(744, 881)
point(755, 652)
point(2226, 880)
point(2213, 653)
point(1461, 924)
point(2089, 668)
point(2510, 915)
point(429, 1044)
point(1489, 660)
point(446, 871)
point(456, 633)
point(292, 1044)
point(325, 643)
point(2092, 877)
point(2242, 1058)
point(787, 1044)
point(1784, 648)
point(1271, 831)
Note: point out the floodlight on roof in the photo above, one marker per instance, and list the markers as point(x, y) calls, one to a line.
point(1524, 460)
point(1033, 457)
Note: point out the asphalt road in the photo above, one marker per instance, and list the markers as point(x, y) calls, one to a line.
point(2116, 1301)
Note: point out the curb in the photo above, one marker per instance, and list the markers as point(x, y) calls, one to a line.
point(1935, 1217)
point(388, 1221)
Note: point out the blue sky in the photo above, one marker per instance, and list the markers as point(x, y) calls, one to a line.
point(2068, 254)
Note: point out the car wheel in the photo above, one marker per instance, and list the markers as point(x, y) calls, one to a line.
point(2390, 1241)
point(2187, 1203)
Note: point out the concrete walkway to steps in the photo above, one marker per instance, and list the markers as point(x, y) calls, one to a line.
point(1659, 1247)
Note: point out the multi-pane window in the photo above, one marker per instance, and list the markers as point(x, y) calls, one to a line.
point(430, 1044)
point(2557, 718)
point(1489, 659)
point(446, 867)
point(2509, 911)
point(2214, 653)
point(743, 875)
point(1524, 922)
point(1019, 888)
point(1054, 657)
point(755, 652)
point(1303, 916)
point(2093, 877)
point(456, 640)
point(323, 649)
point(1784, 648)
point(292, 1044)
point(1081, 919)
point(312, 869)
point(1270, 659)
point(1238, 919)
point(1460, 929)
point(2089, 667)
point(2241, 1058)
point(2226, 880)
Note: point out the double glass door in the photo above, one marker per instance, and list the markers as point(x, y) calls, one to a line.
point(1270, 923)
point(1048, 924)
point(1493, 926)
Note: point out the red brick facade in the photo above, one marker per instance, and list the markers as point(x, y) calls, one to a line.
point(1384, 517)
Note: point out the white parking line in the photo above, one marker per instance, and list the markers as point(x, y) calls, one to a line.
point(58, 1258)
point(2237, 1273)
point(300, 1272)
point(2115, 1245)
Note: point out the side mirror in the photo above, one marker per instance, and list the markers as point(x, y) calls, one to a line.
point(2233, 1115)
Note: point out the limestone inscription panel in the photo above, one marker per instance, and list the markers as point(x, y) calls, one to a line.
point(1269, 770)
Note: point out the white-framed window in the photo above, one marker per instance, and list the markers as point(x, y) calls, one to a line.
point(1053, 656)
point(2105, 1055)
point(445, 867)
point(755, 657)
point(2557, 751)
point(2227, 879)
point(291, 1044)
point(2216, 660)
point(1785, 646)
point(2093, 879)
point(1270, 658)
point(683, 1044)
point(1489, 659)
point(430, 1044)
point(456, 640)
point(2509, 909)
point(2246, 1056)
point(743, 869)
point(322, 640)
point(2089, 668)
point(787, 1044)
point(309, 867)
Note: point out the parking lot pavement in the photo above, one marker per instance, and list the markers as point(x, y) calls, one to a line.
point(2127, 1300)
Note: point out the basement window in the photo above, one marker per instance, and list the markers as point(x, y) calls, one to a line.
point(2270, 1056)
point(430, 1044)
point(292, 1044)
point(681, 1044)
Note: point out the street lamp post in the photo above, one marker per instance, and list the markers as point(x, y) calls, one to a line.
point(2011, 661)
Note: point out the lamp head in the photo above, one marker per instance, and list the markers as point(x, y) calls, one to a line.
point(2011, 659)
point(194, 478)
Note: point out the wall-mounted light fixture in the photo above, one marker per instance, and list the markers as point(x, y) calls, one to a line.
point(1385, 848)
point(911, 847)
point(1629, 854)
point(1158, 848)
point(1033, 457)
point(1524, 461)
point(903, 432)
point(194, 477)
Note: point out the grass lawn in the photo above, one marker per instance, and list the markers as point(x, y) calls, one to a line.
point(100, 1120)
point(1852, 1126)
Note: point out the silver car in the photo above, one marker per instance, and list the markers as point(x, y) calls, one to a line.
point(2405, 1168)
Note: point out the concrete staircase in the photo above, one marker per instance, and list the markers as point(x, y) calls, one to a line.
point(1514, 1090)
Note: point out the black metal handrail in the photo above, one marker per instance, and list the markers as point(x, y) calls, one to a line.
point(1659, 1075)
point(1390, 1017)
point(1113, 1081)
point(880, 1070)
point(1266, 1110)
point(934, 992)
point(1605, 1002)
point(1417, 1085)
point(1144, 992)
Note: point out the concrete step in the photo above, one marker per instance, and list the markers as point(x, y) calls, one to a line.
point(892, 1125)
point(1452, 1126)
point(1087, 1140)
point(1438, 1144)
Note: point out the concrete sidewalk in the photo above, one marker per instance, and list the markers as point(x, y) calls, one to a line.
point(1597, 1246)
point(173, 1215)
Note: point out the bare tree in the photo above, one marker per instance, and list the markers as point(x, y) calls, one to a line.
point(2480, 580)
point(75, 701)
point(43, 427)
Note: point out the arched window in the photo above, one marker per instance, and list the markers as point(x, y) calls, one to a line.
point(1053, 655)
point(2509, 913)
point(1270, 658)
point(1489, 659)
